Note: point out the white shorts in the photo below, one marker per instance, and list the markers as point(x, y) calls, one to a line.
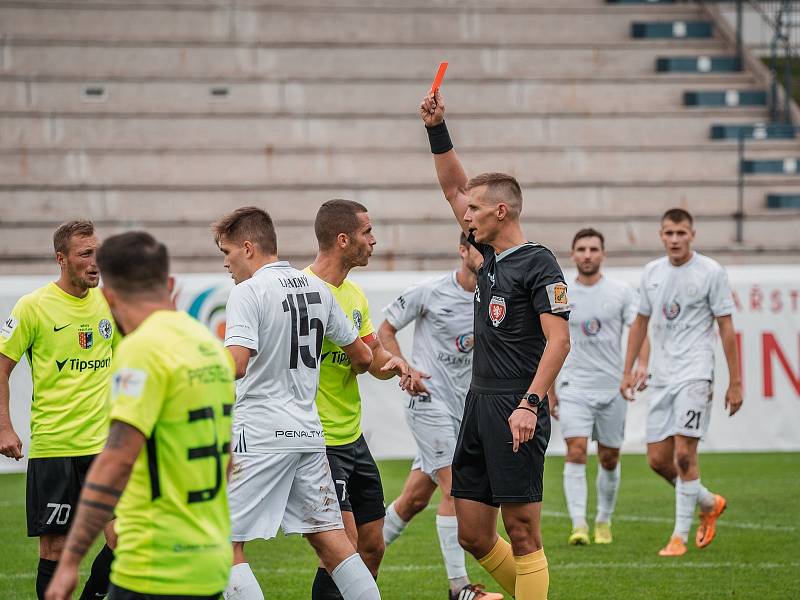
point(684, 409)
point(435, 433)
point(600, 415)
point(293, 491)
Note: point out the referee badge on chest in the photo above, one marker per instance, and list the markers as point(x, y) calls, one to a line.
point(497, 310)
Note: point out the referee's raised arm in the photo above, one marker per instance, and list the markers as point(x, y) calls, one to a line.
point(452, 177)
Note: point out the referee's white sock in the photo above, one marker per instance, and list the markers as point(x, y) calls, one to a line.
point(354, 580)
point(607, 487)
point(393, 525)
point(686, 493)
point(452, 552)
point(576, 491)
point(242, 584)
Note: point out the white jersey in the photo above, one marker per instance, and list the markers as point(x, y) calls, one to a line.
point(282, 315)
point(682, 303)
point(443, 337)
point(598, 314)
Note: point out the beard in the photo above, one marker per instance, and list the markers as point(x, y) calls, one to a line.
point(81, 282)
point(589, 270)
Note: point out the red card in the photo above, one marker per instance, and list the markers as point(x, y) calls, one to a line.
point(437, 81)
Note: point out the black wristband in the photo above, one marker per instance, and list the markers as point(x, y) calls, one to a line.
point(439, 138)
point(525, 408)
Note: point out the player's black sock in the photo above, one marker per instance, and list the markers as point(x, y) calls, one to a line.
point(324, 587)
point(43, 576)
point(97, 584)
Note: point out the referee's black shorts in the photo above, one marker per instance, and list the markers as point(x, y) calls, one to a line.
point(358, 481)
point(485, 467)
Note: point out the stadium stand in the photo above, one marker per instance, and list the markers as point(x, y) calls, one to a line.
point(165, 114)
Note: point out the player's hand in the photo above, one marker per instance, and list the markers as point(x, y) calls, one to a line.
point(417, 386)
point(400, 368)
point(431, 109)
point(627, 386)
point(64, 582)
point(733, 398)
point(523, 424)
point(552, 401)
point(640, 376)
point(10, 444)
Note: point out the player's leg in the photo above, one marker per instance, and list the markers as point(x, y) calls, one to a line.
point(414, 498)
point(258, 493)
point(609, 431)
point(366, 497)
point(522, 522)
point(447, 532)
point(348, 571)
point(577, 420)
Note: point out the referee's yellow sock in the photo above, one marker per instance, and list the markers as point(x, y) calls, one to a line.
point(533, 578)
point(499, 563)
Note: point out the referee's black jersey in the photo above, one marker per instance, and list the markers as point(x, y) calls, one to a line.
point(513, 289)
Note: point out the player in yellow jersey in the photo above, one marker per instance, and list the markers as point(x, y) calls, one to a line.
point(66, 332)
point(344, 235)
point(163, 469)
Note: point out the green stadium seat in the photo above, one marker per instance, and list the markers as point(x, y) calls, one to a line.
point(756, 131)
point(725, 98)
point(778, 201)
point(785, 166)
point(698, 64)
point(673, 30)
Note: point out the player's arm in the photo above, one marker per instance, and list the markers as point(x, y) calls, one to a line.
point(451, 174)
point(733, 397)
point(387, 334)
point(241, 357)
point(556, 332)
point(386, 365)
point(640, 368)
point(105, 482)
point(10, 444)
point(636, 338)
point(360, 356)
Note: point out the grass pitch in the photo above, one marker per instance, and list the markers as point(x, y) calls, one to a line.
point(753, 556)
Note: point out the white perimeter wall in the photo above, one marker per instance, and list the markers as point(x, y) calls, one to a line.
point(767, 318)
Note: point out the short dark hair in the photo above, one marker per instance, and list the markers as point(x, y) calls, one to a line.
point(462, 240)
point(501, 186)
point(335, 217)
point(134, 262)
point(66, 231)
point(589, 232)
point(678, 215)
point(248, 224)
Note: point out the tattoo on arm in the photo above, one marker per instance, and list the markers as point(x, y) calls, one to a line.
point(103, 489)
point(116, 435)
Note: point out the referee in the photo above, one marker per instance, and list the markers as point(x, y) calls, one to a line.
point(521, 341)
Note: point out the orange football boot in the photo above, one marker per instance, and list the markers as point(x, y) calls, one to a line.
point(675, 547)
point(708, 523)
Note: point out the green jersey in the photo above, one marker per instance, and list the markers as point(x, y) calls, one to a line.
point(338, 399)
point(174, 382)
point(68, 343)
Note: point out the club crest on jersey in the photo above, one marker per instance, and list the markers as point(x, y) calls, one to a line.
point(105, 328)
point(591, 327)
point(465, 342)
point(671, 310)
point(85, 337)
point(497, 310)
point(357, 318)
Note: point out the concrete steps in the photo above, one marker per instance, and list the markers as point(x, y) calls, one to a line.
point(277, 132)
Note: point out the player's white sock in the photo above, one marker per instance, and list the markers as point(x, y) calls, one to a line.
point(607, 487)
point(242, 584)
point(354, 580)
point(706, 499)
point(393, 525)
point(685, 501)
point(576, 491)
point(453, 553)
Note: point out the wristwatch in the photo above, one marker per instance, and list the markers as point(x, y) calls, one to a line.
point(534, 401)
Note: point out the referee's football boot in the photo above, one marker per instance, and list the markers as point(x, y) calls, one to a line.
point(474, 591)
point(579, 536)
point(708, 523)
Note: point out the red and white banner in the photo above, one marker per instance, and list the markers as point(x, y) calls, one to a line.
point(767, 320)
